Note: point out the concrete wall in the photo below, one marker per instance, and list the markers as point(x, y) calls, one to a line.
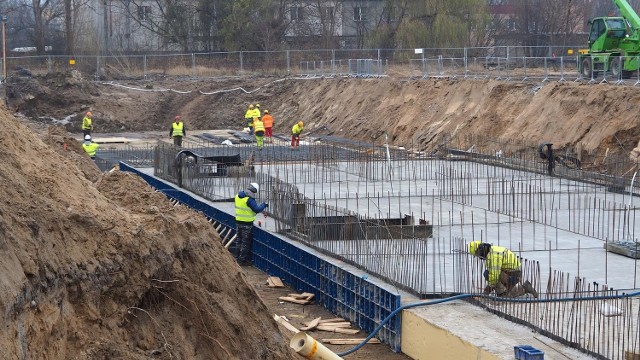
point(422, 340)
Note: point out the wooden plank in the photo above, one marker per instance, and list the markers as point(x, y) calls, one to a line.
point(337, 329)
point(332, 320)
point(312, 324)
point(303, 296)
point(349, 341)
point(328, 321)
point(293, 300)
point(274, 281)
point(221, 234)
point(308, 296)
point(230, 241)
point(285, 323)
point(344, 324)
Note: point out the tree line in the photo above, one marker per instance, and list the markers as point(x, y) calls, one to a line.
point(108, 26)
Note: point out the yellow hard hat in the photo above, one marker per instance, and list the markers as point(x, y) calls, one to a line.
point(266, 111)
point(250, 106)
point(257, 105)
point(300, 123)
point(473, 247)
point(479, 249)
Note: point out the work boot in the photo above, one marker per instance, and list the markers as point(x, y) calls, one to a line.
point(528, 288)
point(501, 290)
point(516, 291)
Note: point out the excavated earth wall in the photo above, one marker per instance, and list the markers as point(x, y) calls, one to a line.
point(100, 266)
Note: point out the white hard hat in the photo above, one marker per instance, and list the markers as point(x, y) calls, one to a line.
point(87, 137)
point(254, 188)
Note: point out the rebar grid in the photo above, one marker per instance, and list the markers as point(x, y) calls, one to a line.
point(407, 218)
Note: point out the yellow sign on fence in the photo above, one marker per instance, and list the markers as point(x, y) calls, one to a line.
point(72, 61)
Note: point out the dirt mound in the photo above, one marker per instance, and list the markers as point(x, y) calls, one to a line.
point(413, 113)
point(113, 270)
point(417, 113)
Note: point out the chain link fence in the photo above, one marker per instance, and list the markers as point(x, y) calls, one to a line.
point(499, 63)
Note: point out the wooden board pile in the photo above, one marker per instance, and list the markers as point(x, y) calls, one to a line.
point(302, 299)
point(336, 325)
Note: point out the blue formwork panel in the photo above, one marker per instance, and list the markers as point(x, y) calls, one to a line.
point(341, 292)
point(526, 352)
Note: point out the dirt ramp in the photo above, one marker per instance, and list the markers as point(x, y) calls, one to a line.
point(112, 270)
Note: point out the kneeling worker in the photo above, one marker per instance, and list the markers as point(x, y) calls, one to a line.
point(90, 147)
point(503, 272)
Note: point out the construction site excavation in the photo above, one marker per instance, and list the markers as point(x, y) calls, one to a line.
point(405, 218)
point(431, 218)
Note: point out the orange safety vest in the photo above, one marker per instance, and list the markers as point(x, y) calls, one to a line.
point(268, 121)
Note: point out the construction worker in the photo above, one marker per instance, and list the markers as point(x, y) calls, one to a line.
point(177, 131)
point(90, 147)
point(259, 129)
point(503, 272)
point(256, 111)
point(296, 130)
point(248, 117)
point(87, 124)
point(267, 120)
point(246, 210)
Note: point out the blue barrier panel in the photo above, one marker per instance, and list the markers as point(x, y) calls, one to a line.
point(341, 292)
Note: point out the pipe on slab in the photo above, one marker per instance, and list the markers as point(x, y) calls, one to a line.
point(310, 348)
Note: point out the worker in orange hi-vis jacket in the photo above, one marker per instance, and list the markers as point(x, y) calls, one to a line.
point(267, 120)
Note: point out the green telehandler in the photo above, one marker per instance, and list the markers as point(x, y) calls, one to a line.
point(614, 44)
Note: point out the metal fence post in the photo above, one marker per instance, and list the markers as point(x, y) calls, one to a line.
point(97, 75)
point(241, 64)
point(333, 62)
point(193, 64)
point(49, 63)
point(466, 66)
point(288, 63)
point(144, 66)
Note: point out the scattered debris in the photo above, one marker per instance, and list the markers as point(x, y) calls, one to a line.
point(303, 299)
point(337, 325)
point(274, 281)
point(311, 325)
point(340, 330)
point(282, 320)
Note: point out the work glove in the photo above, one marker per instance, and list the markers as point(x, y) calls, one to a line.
point(485, 274)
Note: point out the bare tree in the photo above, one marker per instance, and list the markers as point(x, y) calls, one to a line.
point(540, 23)
point(44, 13)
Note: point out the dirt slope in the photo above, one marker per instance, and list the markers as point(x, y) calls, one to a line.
point(599, 116)
point(412, 112)
point(111, 270)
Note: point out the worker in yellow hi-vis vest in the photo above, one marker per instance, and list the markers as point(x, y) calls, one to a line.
point(87, 124)
point(90, 147)
point(177, 131)
point(246, 210)
point(259, 130)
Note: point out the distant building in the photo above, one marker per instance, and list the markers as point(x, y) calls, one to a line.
point(118, 25)
point(341, 24)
